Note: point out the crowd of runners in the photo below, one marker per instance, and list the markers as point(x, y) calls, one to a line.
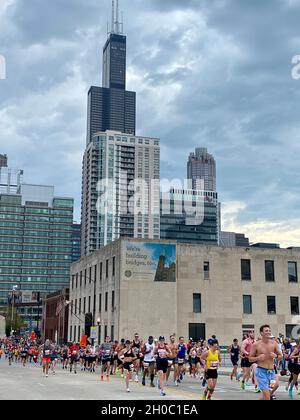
point(263, 360)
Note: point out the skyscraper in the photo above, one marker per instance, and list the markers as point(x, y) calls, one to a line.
point(117, 174)
point(202, 166)
point(112, 107)
point(3, 161)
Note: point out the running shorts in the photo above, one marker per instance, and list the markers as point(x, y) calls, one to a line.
point(46, 359)
point(128, 367)
point(106, 360)
point(211, 374)
point(294, 368)
point(162, 365)
point(235, 362)
point(264, 378)
point(246, 363)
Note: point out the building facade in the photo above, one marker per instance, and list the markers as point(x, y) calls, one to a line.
point(189, 216)
point(201, 169)
point(160, 287)
point(3, 161)
point(10, 178)
point(120, 191)
point(55, 317)
point(233, 239)
point(76, 241)
point(35, 247)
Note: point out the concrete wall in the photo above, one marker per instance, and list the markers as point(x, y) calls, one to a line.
point(2, 327)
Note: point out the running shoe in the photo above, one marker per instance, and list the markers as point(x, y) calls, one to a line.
point(162, 393)
point(152, 385)
point(257, 390)
point(291, 395)
point(243, 386)
point(127, 390)
point(144, 382)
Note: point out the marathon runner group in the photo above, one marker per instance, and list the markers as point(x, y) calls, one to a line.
point(263, 360)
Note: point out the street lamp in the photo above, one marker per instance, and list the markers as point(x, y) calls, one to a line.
point(98, 323)
point(12, 308)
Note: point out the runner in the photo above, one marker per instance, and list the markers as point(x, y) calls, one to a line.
point(107, 352)
point(137, 348)
point(149, 362)
point(181, 360)
point(54, 359)
point(172, 361)
point(65, 357)
point(246, 364)
point(294, 368)
point(234, 351)
point(74, 355)
point(46, 350)
point(24, 353)
point(212, 360)
point(264, 353)
point(127, 357)
point(163, 353)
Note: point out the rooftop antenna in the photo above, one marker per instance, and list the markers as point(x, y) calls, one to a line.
point(117, 18)
point(122, 22)
point(113, 17)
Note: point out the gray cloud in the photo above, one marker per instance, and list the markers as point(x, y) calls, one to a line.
point(211, 73)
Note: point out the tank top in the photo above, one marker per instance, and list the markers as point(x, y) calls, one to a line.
point(162, 352)
point(234, 352)
point(212, 361)
point(149, 356)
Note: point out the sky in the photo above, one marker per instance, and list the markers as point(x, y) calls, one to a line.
point(208, 73)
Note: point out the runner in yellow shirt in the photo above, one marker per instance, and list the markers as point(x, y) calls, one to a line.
point(211, 360)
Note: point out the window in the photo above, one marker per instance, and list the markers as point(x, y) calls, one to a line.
point(247, 304)
point(106, 270)
point(114, 266)
point(79, 307)
point(293, 274)
point(90, 275)
point(80, 278)
point(95, 274)
point(73, 278)
point(75, 309)
point(271, 304)
point(71, 332)
point(75, 333)
point(246, 270)
point(112, 300)
point(89, 307)
point(100, 302)
point(295, 305)
point(84, 305)
point(206, 270)
point(269, 271)
point(76, 280)
point(105, 332)
point(112, 333)
point(197, 303)
point(85, 277)
point(101, 269)
point(106, 301)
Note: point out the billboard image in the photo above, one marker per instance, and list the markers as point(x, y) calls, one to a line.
point(23, 296)
point(149, 261)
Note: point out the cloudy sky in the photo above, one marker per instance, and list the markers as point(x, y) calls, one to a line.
point(208, 73)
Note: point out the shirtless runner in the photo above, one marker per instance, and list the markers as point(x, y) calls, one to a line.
point(264, 353)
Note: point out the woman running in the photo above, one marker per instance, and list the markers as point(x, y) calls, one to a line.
point(234, 351)
point(212, 360)
point(163, 353)
point(127, 356)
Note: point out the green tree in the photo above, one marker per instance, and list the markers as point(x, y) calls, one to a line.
point(14, 321)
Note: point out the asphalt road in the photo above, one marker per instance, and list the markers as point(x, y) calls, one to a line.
point(19, 383)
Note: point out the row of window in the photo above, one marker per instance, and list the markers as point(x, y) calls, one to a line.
point(83, 306)
point(270, 276)
point(247, 304)
point(77, 333)
point(90, 275)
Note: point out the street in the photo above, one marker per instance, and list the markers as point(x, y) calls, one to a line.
point(27, 383)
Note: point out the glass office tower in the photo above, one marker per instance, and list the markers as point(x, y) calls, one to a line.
point(35, 247)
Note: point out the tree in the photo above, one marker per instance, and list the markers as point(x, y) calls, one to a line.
point(14, 321)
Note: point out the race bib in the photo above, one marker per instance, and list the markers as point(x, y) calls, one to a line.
point(214, 364)
point(47, 352)
point(180, 360)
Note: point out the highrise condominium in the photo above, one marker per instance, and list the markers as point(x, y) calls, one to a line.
point(116, 160)
point(201, 169)
point(120, 191)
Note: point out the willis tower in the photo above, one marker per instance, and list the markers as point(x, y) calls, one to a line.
point(112, 107)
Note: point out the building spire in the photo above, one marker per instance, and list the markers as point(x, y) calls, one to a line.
point(116, 24)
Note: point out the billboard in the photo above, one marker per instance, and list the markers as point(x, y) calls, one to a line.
point(24, 296)
point(149, 261)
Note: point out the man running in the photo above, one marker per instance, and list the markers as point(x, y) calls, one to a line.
point(181, 360)
point(46, 351)
point(137, 348)
point(149, 362)
point(107, 353)
point(172, 361)
point(234, 351)
point(74, 355)
point(246, 364)
point(264, 353)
